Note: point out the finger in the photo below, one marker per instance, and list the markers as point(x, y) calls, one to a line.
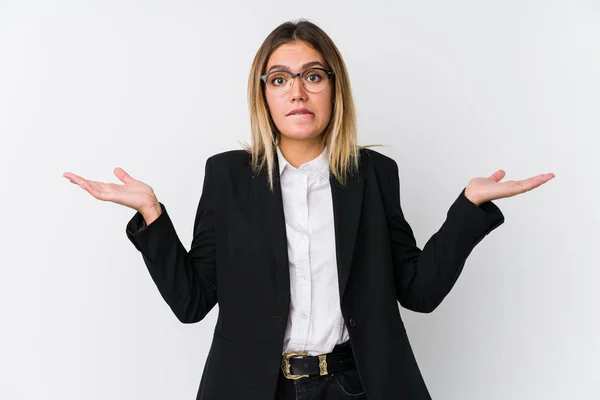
point(535, 177)
point(547, 176)
point(96, 189)
point(498, 175)
point(531, 183)
point(74, 178)
point(541, 178)
point(101, 187)
point(96, 183)
point(122, 175)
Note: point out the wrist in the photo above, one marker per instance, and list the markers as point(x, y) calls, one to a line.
point(151, 212)
point(473, 199)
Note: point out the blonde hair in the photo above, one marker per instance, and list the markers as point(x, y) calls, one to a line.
point(340, 134)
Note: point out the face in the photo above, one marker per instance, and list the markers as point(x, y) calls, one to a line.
point(299, 127)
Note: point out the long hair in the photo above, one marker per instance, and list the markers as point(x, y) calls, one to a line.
point(340, 134)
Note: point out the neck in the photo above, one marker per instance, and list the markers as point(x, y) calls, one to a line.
point(298, 152)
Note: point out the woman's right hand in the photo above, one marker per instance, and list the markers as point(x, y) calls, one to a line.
point(134, 194)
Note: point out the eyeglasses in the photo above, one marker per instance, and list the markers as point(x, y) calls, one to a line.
point(314, 80)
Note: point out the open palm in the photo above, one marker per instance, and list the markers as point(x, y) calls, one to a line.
point(133, 193)
point(480, 190)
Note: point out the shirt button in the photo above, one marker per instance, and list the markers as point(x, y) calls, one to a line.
point(304, 316)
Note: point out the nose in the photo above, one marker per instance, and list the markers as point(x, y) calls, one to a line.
point(298, 92)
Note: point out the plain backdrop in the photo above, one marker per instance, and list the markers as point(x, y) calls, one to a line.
point(455, 90)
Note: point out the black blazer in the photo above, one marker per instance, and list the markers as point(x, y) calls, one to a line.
point(238, 258)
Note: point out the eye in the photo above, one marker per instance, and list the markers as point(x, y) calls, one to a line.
point(277, 79)
point(314, 76)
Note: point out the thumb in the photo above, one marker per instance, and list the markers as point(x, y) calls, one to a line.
point(122, 175)
point(498, 175)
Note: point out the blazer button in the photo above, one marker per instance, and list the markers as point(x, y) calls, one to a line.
point(352, 322)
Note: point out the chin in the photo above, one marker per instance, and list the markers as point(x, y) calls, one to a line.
point(300, 134)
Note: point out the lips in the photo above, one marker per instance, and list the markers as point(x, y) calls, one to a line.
point(300, 111)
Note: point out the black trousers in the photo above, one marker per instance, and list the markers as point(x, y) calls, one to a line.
point(341, 385)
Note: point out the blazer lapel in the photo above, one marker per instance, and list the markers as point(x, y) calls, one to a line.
point(270, 205)
point(347, 205)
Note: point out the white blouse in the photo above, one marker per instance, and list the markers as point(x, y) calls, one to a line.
point(315, 323)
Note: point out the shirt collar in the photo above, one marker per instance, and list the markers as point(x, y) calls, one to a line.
point(319, 164)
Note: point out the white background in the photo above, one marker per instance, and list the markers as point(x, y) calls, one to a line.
point(455, 90)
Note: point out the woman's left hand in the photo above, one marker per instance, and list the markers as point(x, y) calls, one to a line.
point(480, 190)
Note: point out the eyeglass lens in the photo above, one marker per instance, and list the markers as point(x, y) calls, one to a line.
point(314, 80)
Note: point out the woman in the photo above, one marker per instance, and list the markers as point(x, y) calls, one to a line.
point(301, 240)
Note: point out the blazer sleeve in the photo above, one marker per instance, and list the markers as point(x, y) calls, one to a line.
point(423, 278)
point(186, 280)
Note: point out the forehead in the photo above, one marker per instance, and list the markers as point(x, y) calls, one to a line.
point(294, 55)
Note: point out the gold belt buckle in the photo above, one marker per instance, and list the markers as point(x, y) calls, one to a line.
point(285, 364)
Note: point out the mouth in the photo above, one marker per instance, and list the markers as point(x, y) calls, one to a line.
point(304, 112)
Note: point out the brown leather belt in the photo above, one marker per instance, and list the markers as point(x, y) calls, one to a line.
point(296, 365)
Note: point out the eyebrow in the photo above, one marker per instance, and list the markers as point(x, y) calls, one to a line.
point(286, 68)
